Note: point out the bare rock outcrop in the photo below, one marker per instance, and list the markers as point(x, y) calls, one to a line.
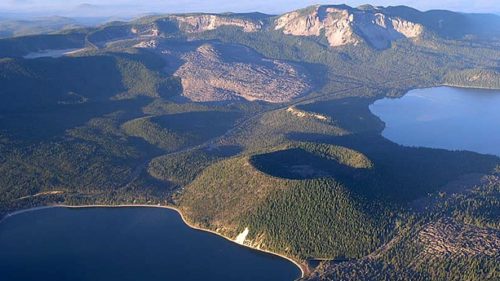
point(200, 23)
point(336, 23)
point(342, 25)
point(217, 72)
point(186, 23)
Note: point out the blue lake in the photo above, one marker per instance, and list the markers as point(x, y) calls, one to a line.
point(443, 117)
point(125, 244)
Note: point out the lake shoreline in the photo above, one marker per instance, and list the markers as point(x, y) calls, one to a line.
point(456, 119)
point(469, 87)
point(304, 269)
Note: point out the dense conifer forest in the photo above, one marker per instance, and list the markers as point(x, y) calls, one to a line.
point(311, 178)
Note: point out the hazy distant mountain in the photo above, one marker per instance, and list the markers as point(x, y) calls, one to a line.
point(451, 24)
point(10, 27)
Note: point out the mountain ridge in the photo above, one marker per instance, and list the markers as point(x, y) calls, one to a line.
point(338, 25)
point(342, 25)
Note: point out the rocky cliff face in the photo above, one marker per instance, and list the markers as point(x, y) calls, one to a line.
point(200, 23)
point(217, 72)
point(188, 24)
point(336, 23)
point(343, 25)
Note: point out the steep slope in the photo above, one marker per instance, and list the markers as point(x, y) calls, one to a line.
point(312, 160)
point(204, 22)
point(379, 26)
point(299, 218)
point(172, 25)
point(343, 25)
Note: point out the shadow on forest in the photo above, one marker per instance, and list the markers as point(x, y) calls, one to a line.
point(53, 122)
point(404, 173)
point(297, 163)
point(400, 173)
point(351, 114)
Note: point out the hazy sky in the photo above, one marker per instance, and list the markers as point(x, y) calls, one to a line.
point(132, 7)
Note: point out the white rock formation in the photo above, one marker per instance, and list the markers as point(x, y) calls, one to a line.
point(200, 23)
point(240, 239)
point(347, 26)
point(303, 114)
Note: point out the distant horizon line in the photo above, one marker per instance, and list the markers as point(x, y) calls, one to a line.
point(126, 14)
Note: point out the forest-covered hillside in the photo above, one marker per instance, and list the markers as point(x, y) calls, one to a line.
point(310, 176)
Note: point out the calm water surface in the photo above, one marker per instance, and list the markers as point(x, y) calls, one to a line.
point(125, 244)
point(443, 117)
point(50, 53)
